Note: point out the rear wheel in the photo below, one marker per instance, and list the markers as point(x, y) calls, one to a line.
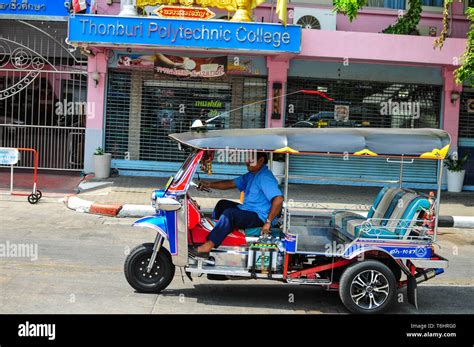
point(158, 278)
point(367, 287)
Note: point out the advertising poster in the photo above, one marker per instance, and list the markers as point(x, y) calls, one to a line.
point(341, 113)
point(242, 67)
point(176, 65)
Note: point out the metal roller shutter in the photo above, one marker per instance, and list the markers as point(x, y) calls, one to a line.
point(118, 111)
point(466, 132)
point(332, 169)
point(365, 100)
point(466, 114)
point(143, 108)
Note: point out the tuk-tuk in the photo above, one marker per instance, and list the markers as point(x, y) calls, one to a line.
point(367, 258)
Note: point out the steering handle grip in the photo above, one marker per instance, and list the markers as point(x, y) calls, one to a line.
point(200, 187)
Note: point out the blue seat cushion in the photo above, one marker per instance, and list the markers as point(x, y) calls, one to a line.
point(340, 218)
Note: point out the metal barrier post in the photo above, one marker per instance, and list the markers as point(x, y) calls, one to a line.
point(11, 179)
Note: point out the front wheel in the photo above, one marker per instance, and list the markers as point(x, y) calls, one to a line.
point(158, 278)
point(367, 287)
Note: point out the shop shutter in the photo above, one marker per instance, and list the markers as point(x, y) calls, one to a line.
point(117, 117)
point(466, 115)
point(385, 105)
point(143, 108)
point(371, 104)
point(363, 169)
point(466, 133)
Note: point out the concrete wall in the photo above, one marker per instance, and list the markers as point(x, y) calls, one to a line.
point(379, 48)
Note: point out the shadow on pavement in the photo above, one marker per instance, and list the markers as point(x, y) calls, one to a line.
point(306, 299)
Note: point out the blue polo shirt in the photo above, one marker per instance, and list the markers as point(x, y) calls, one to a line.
point(259, 190)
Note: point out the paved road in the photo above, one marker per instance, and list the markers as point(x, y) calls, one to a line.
point(79, 270)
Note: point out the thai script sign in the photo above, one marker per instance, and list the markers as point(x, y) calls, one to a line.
point(184, 12)
point(37, 9)
point(150, 31)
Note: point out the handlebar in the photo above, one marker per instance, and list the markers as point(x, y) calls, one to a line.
point(200, 187)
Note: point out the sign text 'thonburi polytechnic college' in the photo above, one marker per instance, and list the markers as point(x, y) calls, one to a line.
point(153, 31)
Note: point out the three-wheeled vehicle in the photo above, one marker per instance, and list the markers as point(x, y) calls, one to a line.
point(367, 258)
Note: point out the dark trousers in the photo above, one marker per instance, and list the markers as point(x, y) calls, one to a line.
point(230, 217)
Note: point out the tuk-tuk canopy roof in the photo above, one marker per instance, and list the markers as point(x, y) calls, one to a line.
point(390, 142)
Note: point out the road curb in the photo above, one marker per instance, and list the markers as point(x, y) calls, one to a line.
point(456, 222)
point(463, 222)
point(73, 202)
point(130, 210)
point(77, 204)
point(105, 209)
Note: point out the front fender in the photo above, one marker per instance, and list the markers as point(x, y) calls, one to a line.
point(163, 223)
point(155, 222)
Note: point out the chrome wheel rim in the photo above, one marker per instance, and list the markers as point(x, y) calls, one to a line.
point(370, 289)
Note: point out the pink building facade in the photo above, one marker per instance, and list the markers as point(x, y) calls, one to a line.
point(381, 80)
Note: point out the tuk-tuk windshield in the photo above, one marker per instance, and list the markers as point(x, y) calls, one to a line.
point(184, 167)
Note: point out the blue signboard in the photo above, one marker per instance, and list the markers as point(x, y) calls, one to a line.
point(37, 9)
point(210, 34)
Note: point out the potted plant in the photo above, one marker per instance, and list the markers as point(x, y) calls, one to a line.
point(102, 163)
point(455, 172)
point(278, 166)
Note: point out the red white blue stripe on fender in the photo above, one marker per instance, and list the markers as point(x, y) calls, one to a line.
point(164, 224)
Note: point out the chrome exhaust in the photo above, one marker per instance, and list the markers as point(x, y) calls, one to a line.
point(425, 275)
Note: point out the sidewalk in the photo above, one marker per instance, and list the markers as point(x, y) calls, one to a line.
point(50, 183)
point(130, 197)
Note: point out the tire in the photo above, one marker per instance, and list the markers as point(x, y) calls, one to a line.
point(367, 287)
point(39, 195)
point(161, 274)
point(397, 272)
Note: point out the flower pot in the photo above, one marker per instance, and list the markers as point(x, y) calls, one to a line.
point(102, 165)
point(278, 168)
point(455, 180)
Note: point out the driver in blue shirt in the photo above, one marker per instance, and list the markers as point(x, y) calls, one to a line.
point(263, 202)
